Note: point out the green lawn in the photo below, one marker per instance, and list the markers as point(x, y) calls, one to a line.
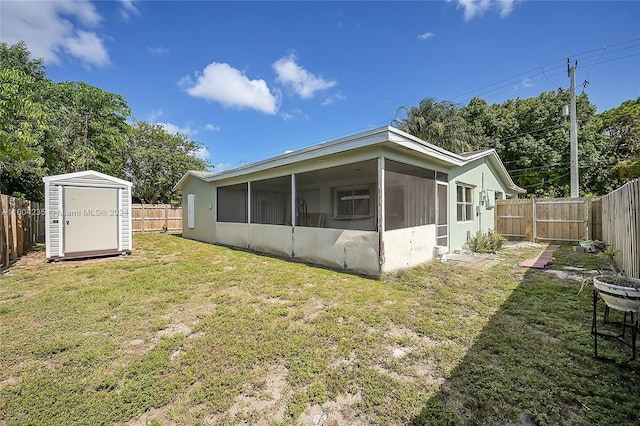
point(182, 332)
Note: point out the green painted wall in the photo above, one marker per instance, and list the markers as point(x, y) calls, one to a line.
point(483, 176)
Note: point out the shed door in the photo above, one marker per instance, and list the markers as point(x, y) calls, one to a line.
point(90, 219)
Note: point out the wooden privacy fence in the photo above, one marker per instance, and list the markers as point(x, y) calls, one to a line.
point(156, 218)
point(22, 224)
point(552, 219)
point(621, 226)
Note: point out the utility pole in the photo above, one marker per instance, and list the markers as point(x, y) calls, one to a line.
point(573, 131)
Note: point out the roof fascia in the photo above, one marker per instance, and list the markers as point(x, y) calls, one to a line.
point(49, 179)
point(365, 139)
point(497, 162)
point(183, 179)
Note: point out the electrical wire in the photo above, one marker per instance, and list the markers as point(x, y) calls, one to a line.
point(510, 83)
point(559, 63)
point(549, 181)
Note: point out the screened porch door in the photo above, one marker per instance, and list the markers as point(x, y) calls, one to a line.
point(442, 203)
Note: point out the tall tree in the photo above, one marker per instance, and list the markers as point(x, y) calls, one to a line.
point(90, 130)
point(439, 123)
point(155, 160)
point(622, 126)
point(23, 118)
point(532, 138)
point(22, 111)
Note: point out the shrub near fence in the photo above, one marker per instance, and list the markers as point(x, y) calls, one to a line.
point(156, 218)
point(21, 225)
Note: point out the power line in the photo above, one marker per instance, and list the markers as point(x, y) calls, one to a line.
point(543, 71)
point(539, 75)
point(546, 182)
point(517, 173)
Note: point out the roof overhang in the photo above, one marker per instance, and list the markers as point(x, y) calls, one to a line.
point(380, 136)
point(189, 175)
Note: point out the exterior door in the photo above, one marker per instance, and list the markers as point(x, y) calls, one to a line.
point(90, 219)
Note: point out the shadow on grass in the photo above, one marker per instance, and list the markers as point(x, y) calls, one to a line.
point(534, 364)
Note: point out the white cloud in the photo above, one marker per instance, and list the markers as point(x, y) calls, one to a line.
point(159, 50)
point(222, 83)
point(173, 129)
point(473, 8)
point(212, 128)
point(186, 81)
point(49, 32)
point(293, 115)
point(128, 9)
point(425, 36)
point(336, 97)
point(203, 153)
point(526, 82)
point(154, 115)
point(88, 48)
point(506, 6)
point(221, 167)
point(303, 83)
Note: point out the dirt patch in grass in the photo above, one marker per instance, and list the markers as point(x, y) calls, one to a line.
point(265, 400)
point(343, 410)
point(182, 332)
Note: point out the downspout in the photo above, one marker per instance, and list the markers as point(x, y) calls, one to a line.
point(481, 201)
point(249, 213)
point(248, 202)
point(293, 215)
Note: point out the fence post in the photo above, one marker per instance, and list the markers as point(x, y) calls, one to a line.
point(13, 225)
point(534, 218)
point(3, 232)
point(166, 217)
point(143, 229)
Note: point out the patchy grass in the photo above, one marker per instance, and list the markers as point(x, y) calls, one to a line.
point(182, 332)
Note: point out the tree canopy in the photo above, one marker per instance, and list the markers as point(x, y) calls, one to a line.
point(155, 160)
point(440, 123)
point(49, 128)
point(531, 136)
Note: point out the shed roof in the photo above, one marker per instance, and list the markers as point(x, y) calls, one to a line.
point(86, 173)
point(380, 136)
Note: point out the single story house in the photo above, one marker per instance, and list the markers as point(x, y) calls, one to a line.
point(375, 202)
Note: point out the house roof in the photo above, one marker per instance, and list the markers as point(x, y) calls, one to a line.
point(380, 136)
point(85, 173)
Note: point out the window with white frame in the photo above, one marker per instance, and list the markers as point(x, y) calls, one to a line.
point(352, 202)
point(464, 203)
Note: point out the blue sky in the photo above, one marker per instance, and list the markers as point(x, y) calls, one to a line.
point(251, 80)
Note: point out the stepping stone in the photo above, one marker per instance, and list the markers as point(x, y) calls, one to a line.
point(542, 260)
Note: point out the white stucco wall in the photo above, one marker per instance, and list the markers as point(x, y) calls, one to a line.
point(408, 247)
point(338, 248)
point(274, 239)
point(232, 234)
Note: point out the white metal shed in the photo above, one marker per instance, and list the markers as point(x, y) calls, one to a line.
point(87, 214)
